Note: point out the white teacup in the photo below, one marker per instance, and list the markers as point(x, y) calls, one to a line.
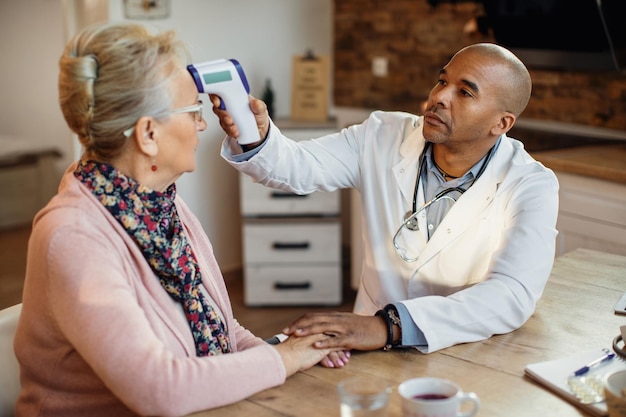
point(436, 397)
point(615, 393)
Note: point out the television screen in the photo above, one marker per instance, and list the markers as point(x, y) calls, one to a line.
point(561, 34)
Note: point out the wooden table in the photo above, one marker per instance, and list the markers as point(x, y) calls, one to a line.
point(605, 162)
point(574, 314)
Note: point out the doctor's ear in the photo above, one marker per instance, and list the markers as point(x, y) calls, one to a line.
point(146, 136)
point(505, 123)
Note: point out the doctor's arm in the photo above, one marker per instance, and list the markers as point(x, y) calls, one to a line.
point(500, 303)
point(519, 267)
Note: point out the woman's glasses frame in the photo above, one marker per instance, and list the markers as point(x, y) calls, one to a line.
point(195, 109)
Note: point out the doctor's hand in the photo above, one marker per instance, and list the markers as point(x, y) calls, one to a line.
point(341, 330)
point(261, 115)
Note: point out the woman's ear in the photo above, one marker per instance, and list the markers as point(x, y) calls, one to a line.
point(505, 123)
point(145, 136)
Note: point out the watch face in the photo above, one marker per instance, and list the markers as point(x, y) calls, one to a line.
point(146, 9)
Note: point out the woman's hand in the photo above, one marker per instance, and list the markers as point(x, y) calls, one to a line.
point(336, 359)
point(299, 353)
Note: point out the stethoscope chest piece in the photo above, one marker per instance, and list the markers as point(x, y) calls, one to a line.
point(410, 220)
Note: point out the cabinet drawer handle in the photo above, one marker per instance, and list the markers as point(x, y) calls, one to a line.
point(279, 194)
point(293, 245)
point(292, 285)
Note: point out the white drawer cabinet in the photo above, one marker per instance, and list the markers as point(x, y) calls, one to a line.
point(264, 201)
point(291, 243)
point(292, 285)
point(296, 261)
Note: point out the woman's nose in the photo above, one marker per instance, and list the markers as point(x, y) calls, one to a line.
point(202, 125)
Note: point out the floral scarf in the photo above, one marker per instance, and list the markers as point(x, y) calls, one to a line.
point(151, 220)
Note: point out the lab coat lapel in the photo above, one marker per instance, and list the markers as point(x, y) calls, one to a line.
point(405, 171)
point(470, 206)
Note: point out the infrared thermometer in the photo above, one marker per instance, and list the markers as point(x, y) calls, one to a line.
point(226, 79)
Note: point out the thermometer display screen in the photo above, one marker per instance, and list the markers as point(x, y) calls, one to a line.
point(216, 77)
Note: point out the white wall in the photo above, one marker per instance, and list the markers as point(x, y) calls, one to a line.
point(262, 35)
point(31, 40)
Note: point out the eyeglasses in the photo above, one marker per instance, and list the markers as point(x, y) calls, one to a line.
point(195, 109)
point(410, 222)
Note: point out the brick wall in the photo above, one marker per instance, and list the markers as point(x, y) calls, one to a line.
point(418, 39)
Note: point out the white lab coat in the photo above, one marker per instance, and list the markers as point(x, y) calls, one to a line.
point(486, 265)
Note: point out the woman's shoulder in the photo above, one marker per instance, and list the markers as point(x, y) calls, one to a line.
point(73, 212)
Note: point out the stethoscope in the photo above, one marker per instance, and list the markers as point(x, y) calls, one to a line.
point(410, 217)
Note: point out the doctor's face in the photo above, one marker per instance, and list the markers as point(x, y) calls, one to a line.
point(466, 102)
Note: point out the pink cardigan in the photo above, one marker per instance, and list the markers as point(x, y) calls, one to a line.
point(98, 335)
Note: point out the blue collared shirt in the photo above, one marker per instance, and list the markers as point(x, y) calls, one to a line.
point(433, 182)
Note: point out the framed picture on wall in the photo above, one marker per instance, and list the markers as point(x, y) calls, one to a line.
point(146, 9)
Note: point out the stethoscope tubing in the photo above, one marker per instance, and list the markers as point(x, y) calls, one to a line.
point(447, 190)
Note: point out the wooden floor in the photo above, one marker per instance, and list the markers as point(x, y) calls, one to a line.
point(263, 321)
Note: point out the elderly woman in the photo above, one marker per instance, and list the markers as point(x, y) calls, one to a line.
point(125, 311)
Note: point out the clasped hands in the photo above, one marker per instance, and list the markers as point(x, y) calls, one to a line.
point(342, 330)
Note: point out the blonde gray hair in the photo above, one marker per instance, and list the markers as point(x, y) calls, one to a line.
point(110, 76)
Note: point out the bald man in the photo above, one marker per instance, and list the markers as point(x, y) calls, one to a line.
point(459, 221)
